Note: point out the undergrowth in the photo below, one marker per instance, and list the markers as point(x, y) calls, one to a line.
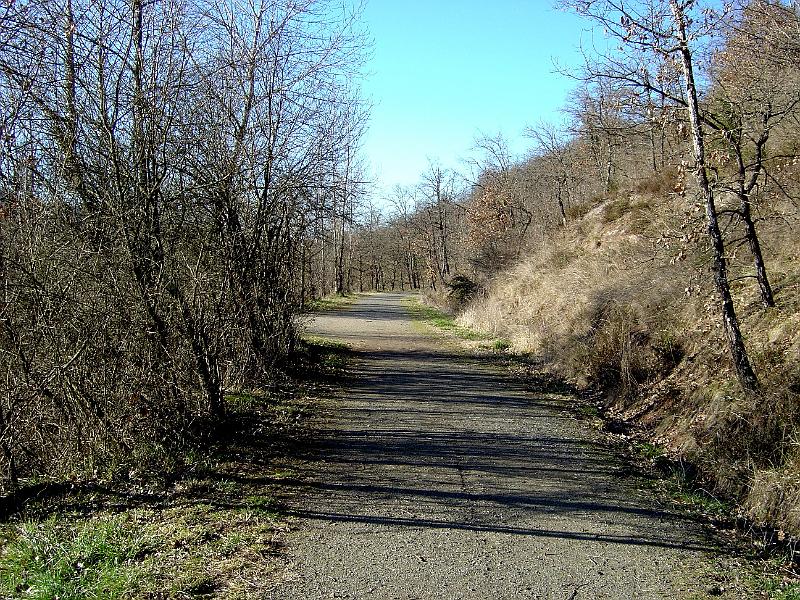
point(212, 530)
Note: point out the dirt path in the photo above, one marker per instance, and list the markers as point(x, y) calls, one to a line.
point(439, 477)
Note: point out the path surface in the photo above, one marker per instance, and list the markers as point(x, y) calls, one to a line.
point(440, 477)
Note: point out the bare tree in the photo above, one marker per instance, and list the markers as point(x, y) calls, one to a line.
point(553, 149)
point(755, 91)
point(162, 164)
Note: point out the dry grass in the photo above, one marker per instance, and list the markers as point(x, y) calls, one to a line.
point(623, 300)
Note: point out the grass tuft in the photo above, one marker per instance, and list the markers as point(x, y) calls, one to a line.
point(51, 559)
point(329, 303)
point(329, 357)
point(778, 588)
point(589, 412)
point(648, 450)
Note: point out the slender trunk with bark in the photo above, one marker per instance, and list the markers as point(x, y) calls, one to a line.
point(765, 289)
point(561, 186)
point(745, 189)
point(7, 453)
point(741, 360)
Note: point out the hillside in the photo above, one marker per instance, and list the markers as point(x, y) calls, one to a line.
point(621, 300)
point(646, 247)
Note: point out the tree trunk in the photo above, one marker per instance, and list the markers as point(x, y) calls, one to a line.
point(338, 245)
point(303, 275)
point(745, 188)
point(561, 186)
point(764, 286)
point(741, 360)
point(8, 454)
point(445, 270)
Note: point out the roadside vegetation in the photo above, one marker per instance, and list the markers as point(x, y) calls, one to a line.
point(174, 180)
point(171, 204)
point(439, 318)
point(175, 183)
point(211, 528)
point(329, 303)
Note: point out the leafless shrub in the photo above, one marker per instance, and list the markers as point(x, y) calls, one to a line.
point(157, 164)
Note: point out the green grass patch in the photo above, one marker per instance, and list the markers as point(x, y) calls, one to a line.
point(772, 578)
point(501, 345)
point(206, 549)
point(441, 320)
point(263, 504)
point(325, 356)
point(589, 412)
point(329, 303)
point(696, 499)
point(648, 450)
point(96, 558)
point(283, 474)
point(214, 538)
point(680, 485)
point(312, 343)
point(244, 400)
point(777, 588)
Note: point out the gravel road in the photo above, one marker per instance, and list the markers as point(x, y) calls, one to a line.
point(438, 476)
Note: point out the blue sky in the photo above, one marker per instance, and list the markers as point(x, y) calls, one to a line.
point(444, 72)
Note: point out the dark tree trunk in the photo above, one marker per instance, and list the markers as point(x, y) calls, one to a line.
point(764, 286)
point(8, 454)
point(745, 188)
point(303, 276)
point(562, 184)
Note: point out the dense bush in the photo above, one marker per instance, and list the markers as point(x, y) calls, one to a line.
point(161, 163)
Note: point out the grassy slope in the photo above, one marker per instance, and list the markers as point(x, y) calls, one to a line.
point(622, 300)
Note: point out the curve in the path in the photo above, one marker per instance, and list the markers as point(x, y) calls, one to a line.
point(437, 476)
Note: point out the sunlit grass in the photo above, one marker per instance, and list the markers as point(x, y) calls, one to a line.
point(50, 559)
point(329, 303)
point(441, 320)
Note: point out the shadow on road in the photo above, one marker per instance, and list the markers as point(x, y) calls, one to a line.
point(437, 440)
point(654, 540)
